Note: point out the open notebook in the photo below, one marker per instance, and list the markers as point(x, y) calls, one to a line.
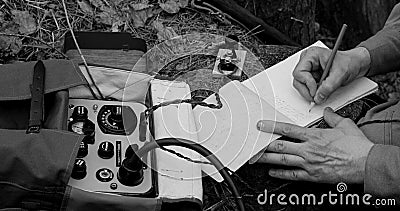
point(231, 134)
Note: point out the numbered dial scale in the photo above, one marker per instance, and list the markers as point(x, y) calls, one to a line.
point(111, 134)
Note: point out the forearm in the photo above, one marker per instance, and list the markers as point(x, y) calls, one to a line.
point(384, 47)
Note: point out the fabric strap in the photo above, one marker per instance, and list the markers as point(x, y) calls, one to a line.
point(37, 103)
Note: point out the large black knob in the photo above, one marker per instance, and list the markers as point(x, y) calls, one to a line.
point(83, 150)
point(131, 171)
point(79, 170)
point(106, 150)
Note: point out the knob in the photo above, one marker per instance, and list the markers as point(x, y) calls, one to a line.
point(80, 113)
point(88, 139)
point(106, 150)
point(116, 114)
point(104, 175)
point(131, 171)
point(83, 150)
point(79, 170)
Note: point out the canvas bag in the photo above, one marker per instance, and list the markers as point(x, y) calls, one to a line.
point(35, 167)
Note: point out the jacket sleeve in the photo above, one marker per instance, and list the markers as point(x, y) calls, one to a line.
point(384, 46)
point(382, 171)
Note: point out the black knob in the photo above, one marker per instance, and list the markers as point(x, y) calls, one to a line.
point(79, 170)
point(83, 150)
point(88, 139)
point(80, 113)
point(106, 150)
point(131, 171)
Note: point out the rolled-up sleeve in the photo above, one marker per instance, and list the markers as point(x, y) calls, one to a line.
point(384, 46)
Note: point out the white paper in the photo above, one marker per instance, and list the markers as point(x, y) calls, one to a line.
point(231, 132)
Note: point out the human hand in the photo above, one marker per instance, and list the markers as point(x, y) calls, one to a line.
point(346, 66)
point(330, 155)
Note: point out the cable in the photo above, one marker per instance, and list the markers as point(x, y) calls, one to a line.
point(202, 151)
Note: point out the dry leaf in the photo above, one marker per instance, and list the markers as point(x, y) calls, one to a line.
point(115, 26)
point(107, 14)
point(140, 5)
point(98, 4)
point(9, 45)
point(85, 6)
point(183, 3)
point(140, 17)
point(164, 33)
point(25, 21)
point(170, 6)
point(108, 17)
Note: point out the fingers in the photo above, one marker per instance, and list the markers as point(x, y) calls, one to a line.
point(281, 159)
point(328, 86)
point(282, 146)
point(305, 90)
point(331, 117)
point(303, 79)
point(294, 174)
point(285, 129)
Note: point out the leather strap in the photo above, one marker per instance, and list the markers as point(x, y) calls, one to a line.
point(37, 103)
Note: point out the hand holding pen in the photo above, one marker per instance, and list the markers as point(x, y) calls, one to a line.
point(321, 71)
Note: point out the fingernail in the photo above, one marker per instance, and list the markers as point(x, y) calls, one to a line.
point(260, 125)
point(329, 109)
point(252, 160)
point(320, 98)
point(272, 172)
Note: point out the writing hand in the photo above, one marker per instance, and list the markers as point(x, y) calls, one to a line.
point(347, 66)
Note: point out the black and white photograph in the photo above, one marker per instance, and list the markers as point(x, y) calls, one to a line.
point(199, 105)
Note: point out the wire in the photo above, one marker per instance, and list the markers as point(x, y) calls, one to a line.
point(82, 57)
point(202, 151)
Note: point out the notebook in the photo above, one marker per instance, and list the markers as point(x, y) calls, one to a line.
point(230, 132)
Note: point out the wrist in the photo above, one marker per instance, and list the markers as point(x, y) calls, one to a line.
point(362, 60)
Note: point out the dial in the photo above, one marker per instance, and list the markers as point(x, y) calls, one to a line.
point(117, 120)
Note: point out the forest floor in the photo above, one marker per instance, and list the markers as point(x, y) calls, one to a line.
point(31, 30)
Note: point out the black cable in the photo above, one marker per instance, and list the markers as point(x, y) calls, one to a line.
point(202, 151)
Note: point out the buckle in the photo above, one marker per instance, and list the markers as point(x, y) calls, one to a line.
point(33, 129)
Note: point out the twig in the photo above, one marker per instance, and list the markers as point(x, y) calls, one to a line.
point(36, 39)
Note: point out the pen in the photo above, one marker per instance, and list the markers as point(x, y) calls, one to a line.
point(330, 60)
